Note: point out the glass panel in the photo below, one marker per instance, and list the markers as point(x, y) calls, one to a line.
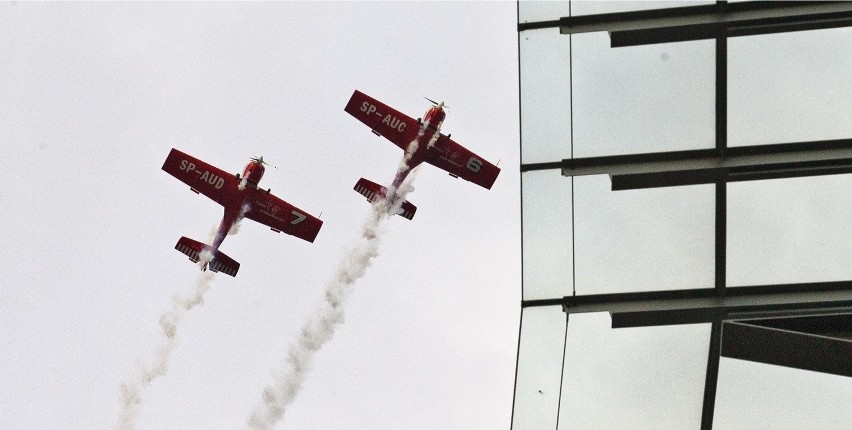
point(534, 11)
point(546, 214)
point(790, 87)
point(642, 240)
point(545, 96)
point(642, 99)
point(539, 368)
point(759, 396)
point(790, 230)
point(596, 7)
point(644, 378)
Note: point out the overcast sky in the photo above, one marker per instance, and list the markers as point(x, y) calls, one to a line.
point(92, 98)
point(94, 95)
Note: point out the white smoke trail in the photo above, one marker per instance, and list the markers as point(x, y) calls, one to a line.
point(236, 227)
point(434, 137)
point(131, 390)
point(412, 147)
point(320, 327)
point(409, 152)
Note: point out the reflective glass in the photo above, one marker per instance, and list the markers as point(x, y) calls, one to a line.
point(790, 230)
point(759, 396)
point(790, 87)
point(539, 368)
point(595, 7)
point(639, 378)
point(546, 213)
point(545, 96)
point(642, 99)
point(534, 11)
point(643, 240)
point(785, 87)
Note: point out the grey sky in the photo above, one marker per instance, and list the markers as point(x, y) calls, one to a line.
point(93, 97)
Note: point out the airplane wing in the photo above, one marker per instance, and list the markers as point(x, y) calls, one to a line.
point(384, 120)
point(283, 217)
point(462, 163)
point(202, 178)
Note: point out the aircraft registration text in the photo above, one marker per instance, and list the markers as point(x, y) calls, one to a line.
point(211, 178)
point(389, 120)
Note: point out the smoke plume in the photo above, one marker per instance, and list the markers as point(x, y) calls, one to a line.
point(236, 227)
point(321, 325)
point(131, 390)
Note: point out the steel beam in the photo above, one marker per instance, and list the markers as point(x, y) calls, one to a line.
point(711, 378)
point(720, 279)
point(818, 343)
point(656, 308)
point(834, 326)
point(707, 22)
point(705, 166)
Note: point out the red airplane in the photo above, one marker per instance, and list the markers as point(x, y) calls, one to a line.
point(421, 141)
point(241, 198)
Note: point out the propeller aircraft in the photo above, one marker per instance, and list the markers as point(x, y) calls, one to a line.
point(241, 198)
point(422, 141)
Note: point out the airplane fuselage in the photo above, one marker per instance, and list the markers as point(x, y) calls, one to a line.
point(415, 154)
point(238, 204)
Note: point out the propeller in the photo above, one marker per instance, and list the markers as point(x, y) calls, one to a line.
point(260, 160)
point(436, 103)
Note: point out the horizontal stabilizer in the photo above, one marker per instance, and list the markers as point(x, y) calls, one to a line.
point(374, 192)
point(219, 263)
point(190, 248)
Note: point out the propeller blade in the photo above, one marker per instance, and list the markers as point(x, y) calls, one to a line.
point(262, 161)
point(436, 103)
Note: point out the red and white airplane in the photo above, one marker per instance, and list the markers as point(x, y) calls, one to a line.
point(241, 197)
point(422, 141)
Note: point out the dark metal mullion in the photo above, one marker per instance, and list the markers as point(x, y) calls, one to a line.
point(712, 375)
point(715, 348)
point(706, 22)
point(521, 204)
point(573, 234)
point(562, 374)
point(721, 237)
point(772, 154)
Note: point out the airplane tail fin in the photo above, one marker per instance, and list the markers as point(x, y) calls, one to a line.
point(373, 192)
point(219, 263)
